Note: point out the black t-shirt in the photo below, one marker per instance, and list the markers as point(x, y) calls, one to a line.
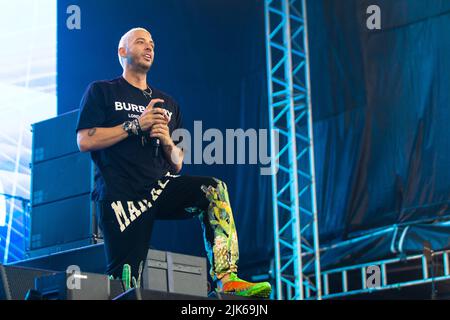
point(126, 170)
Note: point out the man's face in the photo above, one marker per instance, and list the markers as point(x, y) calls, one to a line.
point(140, 50)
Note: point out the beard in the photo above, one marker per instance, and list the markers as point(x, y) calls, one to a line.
point(141, 65)
point(144, 66)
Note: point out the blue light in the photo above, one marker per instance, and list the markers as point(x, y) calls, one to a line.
point(28, 91)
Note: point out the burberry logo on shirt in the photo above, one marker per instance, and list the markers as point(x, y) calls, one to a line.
point(121, 106)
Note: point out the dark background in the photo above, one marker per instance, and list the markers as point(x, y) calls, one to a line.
point(210, 57)
point(380, 105)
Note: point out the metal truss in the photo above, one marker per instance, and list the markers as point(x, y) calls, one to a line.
point(292, 152)
point(383, 275)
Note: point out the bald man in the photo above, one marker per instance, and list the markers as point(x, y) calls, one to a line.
point(123, 123)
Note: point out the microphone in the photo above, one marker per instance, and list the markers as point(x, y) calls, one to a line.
point(154, 142)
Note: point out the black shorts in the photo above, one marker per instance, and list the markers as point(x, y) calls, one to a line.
point(127, 224)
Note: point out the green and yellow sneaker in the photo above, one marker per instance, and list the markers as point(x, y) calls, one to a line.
point(239, 287)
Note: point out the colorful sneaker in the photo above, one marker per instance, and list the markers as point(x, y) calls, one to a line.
point(239, 287)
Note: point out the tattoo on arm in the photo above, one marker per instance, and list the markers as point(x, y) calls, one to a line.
point(91, 132)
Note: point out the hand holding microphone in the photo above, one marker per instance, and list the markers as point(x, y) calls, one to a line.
point(154, 124)
point(152, 115)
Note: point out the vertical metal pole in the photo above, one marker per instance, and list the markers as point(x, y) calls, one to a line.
point(311, 156)
point(344, 281)
point(277, 272)
point(295, 209)
point(285, 117)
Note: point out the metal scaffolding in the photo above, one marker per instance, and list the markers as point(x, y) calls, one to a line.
point(336, 282)
point(292, 151)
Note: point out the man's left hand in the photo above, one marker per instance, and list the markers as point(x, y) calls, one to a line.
point(161, 131)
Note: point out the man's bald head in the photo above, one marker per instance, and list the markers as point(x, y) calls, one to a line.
point(127, 37)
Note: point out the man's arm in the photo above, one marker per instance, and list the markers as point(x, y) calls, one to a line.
point(99, 138)
point(174, 155)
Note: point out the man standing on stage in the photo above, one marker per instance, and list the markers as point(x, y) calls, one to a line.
point(127, 125)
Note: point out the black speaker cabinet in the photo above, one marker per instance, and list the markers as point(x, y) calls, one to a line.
point(61, 222)
point(62, 214)
point(62, 178)
point(74, 286)
point(16, 281)
point(54, 137)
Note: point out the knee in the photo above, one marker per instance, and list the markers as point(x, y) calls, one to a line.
point(212, 181)
point(219, 188)
point(220, 184)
